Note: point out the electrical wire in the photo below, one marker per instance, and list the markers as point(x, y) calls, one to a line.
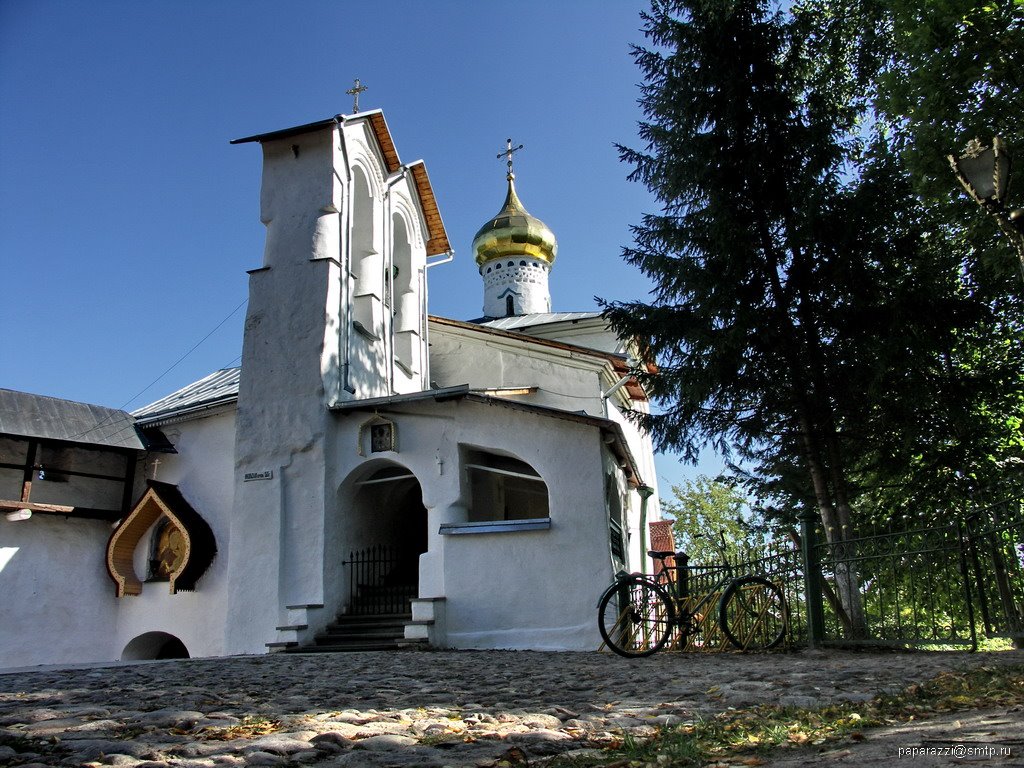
point(149, 386)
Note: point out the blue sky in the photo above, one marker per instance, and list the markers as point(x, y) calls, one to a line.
point(127, 221)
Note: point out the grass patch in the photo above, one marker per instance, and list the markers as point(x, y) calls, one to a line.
point(743, 737)
point(250, 727)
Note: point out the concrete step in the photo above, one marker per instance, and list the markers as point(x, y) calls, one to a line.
point(336, 636)
point(377, 645)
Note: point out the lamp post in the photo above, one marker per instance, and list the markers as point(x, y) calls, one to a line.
point(984, 171)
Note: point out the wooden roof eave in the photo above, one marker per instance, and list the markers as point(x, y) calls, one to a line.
point(437, 242)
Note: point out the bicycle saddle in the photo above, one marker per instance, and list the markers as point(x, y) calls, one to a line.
point(660, 555)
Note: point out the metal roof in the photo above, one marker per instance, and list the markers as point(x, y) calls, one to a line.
point(515, 322)
point(219, 388)
point(26, 415)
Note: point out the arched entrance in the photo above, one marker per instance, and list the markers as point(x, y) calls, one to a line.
point(154, 645)
point(384, 534)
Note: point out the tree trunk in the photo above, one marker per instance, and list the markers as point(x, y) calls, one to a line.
point(836, 519)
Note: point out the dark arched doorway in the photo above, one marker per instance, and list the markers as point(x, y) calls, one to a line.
point(154, 645)
point(386, 534)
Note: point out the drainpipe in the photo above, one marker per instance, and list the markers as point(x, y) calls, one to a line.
point(448, 256)
point(645, 492)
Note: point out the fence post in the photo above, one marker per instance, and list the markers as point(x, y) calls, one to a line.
point(812, 578)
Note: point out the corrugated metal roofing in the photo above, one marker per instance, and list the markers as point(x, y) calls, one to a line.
point(219, 388)
point(27, 415)
point(537, 318)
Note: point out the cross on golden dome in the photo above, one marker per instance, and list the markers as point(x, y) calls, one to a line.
point(509, 149)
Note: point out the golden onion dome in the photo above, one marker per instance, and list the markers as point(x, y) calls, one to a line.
point(514, 232)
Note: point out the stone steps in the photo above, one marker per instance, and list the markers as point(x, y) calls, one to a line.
point(365, 627)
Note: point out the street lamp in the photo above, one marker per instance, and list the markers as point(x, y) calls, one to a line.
point(985, 173)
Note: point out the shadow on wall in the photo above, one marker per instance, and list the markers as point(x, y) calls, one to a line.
point(154, 645)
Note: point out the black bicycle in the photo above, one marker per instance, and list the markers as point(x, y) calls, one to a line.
point(639, 614)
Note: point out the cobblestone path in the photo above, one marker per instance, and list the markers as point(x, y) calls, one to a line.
point(422, 708)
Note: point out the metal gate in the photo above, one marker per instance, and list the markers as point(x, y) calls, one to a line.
point(375, 585)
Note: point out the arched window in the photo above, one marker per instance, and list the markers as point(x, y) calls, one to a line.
point(503, 488)
point(510, 306)
point(405, 286)
point(367, 263)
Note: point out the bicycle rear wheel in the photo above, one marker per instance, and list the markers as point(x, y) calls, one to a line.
point(752, 614)
point(635, 617)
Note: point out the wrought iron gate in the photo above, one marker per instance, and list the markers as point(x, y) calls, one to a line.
point(375, 586)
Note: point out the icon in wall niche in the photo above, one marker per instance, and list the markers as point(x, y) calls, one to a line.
point(379, 433)
point(182, 542)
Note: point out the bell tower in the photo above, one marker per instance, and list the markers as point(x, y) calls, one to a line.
point(337, 312)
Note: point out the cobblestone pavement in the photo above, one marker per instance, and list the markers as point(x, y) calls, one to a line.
point(423, 708)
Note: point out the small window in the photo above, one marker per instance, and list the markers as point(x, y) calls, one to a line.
point(522, 263)
point(510, 306)
point(511, 263)
point(498, 265)
point(615, 533)
point(503, 488)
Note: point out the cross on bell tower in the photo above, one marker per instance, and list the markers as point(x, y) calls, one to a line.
point(354, 92)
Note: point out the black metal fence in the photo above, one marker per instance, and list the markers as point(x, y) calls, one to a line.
point(905, 586)
point(995, 554)
point(898, 587)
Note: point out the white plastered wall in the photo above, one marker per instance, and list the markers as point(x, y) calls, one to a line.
point(203, 471)
point(58, 601)
point(330, 209)
point(563, 381)
point(523, 589)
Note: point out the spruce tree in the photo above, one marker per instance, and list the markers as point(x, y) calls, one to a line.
point(803, 298)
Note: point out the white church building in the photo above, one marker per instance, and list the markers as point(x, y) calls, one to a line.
point(371, 476)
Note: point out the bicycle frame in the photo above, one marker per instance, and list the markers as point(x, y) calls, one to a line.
point(640, 614)
point(675, 579)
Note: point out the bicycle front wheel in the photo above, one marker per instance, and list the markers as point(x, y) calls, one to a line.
point(635, 617)
point(752, 614)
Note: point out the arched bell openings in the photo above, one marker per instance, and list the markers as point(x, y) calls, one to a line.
point(368, 264)
point(405, 279)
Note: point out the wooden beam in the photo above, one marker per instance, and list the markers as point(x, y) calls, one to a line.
point(89, 513)
point(11, 504)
